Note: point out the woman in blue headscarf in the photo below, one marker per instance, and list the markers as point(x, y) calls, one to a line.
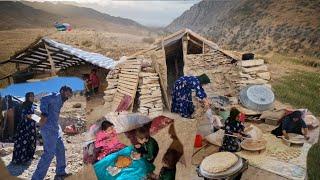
point(182, 94)
point(25, 139)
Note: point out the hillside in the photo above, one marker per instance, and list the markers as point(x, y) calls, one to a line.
point(17, 15)
point(27, 14)
point(291, 26)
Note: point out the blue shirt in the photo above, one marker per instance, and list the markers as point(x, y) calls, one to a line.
point(50, 107)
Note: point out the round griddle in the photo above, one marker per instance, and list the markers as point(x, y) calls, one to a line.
point(229, 172)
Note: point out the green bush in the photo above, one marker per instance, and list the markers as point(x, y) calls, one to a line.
point(313, 162)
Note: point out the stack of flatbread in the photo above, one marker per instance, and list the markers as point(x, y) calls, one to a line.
point(219, 162)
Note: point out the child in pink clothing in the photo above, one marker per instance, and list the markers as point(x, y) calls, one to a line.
point(107, 140)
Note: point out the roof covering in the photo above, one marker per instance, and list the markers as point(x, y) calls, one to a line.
point(194, 38)
point(64, 56)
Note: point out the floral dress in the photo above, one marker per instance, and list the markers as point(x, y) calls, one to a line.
point(231, 144)
point(182, 95)
point(25, 139)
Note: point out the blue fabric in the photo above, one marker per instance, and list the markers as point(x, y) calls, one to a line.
point(43, 86)
point(139, 169)
point(53, 146)
point(182, 95)
point(50, 107)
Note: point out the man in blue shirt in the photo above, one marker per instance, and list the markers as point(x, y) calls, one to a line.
point(50, 131)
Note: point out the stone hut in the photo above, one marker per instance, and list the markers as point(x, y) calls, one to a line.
point(149, 75)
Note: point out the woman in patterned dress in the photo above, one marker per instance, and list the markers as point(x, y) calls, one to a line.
point(25, 139)
point(182, 94)
point(233, 126)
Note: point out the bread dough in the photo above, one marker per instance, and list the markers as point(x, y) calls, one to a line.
point(219, 162)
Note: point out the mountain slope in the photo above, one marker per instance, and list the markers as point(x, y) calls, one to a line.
point(27, 14)
point(291, 26)
point(17, 15)
point(74, 13)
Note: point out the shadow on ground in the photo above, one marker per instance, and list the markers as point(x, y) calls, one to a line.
point(16, 170)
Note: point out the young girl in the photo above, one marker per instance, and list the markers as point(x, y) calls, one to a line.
point(147, 146)
point(107, 140)
point(235, 128)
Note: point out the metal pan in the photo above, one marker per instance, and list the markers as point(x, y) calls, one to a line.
point(229, 172)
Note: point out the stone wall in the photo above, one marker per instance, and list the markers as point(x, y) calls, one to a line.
point(223, 74)
point(254, 72)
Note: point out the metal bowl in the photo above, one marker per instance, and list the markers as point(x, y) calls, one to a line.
point(257, 97)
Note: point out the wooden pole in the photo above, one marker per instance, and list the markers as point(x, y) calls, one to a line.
point(53, 68)
point(185, 49)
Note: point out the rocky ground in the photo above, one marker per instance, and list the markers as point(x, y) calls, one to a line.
point(73, 144)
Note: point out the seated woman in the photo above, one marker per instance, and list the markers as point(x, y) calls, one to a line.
point(234, 128)
point(292, 123)
point(182, 94)
point(107, 140)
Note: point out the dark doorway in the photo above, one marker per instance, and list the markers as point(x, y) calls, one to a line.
point(175, 64)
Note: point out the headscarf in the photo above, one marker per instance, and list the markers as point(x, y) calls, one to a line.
point(296, 114)
point(234, 112)
point(27, 104)
point(204, 79)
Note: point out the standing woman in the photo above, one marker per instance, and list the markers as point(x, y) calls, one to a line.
point(182, 94)
point(25, 140)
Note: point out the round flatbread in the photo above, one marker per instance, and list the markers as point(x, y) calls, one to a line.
point(218, 162)
point(123, 162)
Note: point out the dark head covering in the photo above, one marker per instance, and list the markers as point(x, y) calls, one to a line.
point(204, 79)
point(27, 103)
point(65, 88)
point(296, 114)
point(234, 112)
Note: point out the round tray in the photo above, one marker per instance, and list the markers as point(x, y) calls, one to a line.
point(298, 141)
point(229, 172)
point(262, 147)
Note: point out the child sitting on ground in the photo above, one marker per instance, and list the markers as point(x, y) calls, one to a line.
point(169, 161)
point(147, 146)
point(107, 140)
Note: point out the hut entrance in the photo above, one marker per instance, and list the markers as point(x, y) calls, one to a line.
point(175, 64)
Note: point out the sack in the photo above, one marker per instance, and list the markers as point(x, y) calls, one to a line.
point(216, 138)
point(254, 132)
point(127, 122)
point(214, 120)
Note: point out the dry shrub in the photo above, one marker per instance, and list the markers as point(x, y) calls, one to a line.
point(148, 40)
point(86, 43)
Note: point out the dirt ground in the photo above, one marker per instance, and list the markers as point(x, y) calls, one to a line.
point(73, 146)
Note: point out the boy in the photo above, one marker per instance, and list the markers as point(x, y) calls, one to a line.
point(147, 146)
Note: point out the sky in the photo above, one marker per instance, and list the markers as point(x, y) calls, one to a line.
point(146, 12)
